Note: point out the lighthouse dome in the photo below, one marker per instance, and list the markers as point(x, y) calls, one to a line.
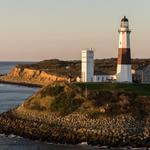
point(124, 19)
point(124, 22)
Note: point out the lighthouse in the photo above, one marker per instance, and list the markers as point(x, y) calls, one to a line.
point(87, 70)
point(124, 55)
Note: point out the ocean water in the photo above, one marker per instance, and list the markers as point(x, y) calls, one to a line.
point(10, 97)
point(5, 67)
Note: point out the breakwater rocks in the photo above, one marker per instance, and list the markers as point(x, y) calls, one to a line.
point(121, 130)
point(24, 76)
point(60, 113)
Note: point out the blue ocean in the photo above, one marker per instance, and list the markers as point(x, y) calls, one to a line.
point(10, 97)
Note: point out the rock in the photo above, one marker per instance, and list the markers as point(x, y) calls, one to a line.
point(31, 76)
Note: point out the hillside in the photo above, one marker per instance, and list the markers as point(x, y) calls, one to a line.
point(64, 113)
point(73, 68)
point(48, 71)
point(65, 98)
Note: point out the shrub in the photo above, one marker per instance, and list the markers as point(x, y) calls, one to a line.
point(64, 103)
point(52, 91)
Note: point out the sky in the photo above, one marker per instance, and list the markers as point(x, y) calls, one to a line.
point(34, 30)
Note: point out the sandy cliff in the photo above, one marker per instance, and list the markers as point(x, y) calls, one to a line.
point(31, 76)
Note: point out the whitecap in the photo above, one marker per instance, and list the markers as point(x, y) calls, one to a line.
point(83, 143)
point(12, 136)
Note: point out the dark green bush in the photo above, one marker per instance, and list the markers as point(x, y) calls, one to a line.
point(52, 91)
point(64, 103)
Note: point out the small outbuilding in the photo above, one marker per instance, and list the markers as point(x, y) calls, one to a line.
point(142, 75)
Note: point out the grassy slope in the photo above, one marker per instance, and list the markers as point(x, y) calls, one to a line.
point(108, 99)
point(57, 97)
point(139, 89)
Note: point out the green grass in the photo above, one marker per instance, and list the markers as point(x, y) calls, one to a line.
point(139, 89)
point(66, 103)
point(102, 99)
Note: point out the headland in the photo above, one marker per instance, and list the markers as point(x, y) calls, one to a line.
point(108, 114)
point(48, 71)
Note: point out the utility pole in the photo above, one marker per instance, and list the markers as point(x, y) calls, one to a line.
point(86, 90)
point(142, 76)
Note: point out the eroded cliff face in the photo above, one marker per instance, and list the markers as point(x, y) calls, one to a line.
point(31, 76)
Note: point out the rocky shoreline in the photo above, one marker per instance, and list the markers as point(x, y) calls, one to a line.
point(21, 83)
point(60, 113)
point(121, 130)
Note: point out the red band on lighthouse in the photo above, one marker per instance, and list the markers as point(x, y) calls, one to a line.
point(124, 56)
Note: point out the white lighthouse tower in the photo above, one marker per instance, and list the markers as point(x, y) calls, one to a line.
point(124, 56)
point(87, 70)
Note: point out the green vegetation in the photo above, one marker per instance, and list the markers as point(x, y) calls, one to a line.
point(57, 67)
point(73, 68)
point(139, 89)
point(102, 99)
point(58, 97)
point(52, 91)
point(66, 103)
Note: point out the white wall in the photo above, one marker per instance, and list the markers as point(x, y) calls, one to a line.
point(104, 78)
point(124, 40)
point(87, 70)
point(124, 73)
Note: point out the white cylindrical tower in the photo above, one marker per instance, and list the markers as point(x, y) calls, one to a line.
point(87, 68)
point(124, 56)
